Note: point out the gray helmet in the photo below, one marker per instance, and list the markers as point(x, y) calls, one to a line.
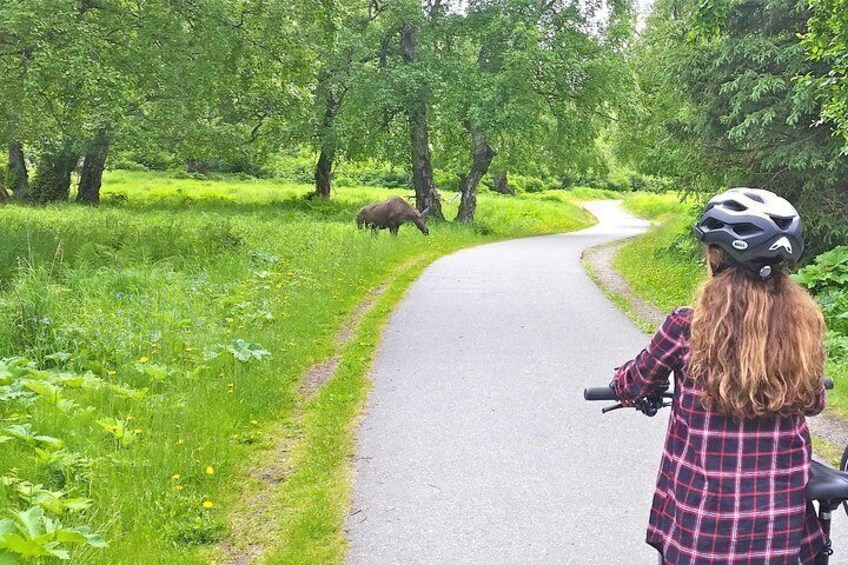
point(756, 228)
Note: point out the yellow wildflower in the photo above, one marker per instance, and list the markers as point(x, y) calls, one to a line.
point(208, 504)
point(111, 373)
point(210, 470)
point(178, 488)
point(176, 477)
point(143, 359)
point(254, 422)
point(180, 441)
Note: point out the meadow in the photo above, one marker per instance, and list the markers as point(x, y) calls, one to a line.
point(153, 351)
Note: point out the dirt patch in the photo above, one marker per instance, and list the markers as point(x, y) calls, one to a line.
point(319, 374)
point(828, 427)
point(600, 260)
point(345, 334)
point(258, 516)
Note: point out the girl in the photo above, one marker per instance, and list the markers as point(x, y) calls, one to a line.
point(748, 361)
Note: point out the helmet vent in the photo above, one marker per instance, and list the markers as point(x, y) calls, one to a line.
point(735, 205)
point(782, 223)
point(745, 229)
point(755, 196)
point(713, 224)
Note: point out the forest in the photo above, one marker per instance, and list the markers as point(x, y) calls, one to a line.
point(177, 241)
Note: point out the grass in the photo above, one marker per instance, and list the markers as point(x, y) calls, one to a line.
point(651, 206)
point(173, 325)
point(660, 268)
point(665, 267)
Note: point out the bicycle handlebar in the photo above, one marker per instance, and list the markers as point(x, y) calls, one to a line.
point(607, 393)
point(599, 393)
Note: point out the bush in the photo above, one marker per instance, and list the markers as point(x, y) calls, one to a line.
point(827, 277)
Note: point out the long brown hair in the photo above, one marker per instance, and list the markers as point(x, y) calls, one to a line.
point(757, 347)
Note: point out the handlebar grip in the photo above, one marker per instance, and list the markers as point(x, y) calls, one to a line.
point(599, 393)
point(828, 383)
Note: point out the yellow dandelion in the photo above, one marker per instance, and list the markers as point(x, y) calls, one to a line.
point(208, 504)
point(130, 418)
point(180, 441)
point(210, 470)
point(176, 477)
point(137, 431)
point(229, 320)
point(254, 422)
point(178, 488)
point(189, 348)
point(111, 373)
point(143, 359)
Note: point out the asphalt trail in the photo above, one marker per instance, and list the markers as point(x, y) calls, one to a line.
point(477, 446)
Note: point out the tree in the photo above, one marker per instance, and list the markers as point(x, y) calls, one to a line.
point(734, 109)
point(530, 85)
point(827, 43)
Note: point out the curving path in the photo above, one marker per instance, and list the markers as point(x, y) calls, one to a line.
point(476, 446)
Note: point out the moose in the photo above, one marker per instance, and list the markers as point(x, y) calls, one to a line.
point(390, 214)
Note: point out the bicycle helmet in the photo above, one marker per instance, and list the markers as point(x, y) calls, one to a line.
point(757, 229)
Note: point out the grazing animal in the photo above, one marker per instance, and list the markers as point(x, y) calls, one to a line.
point(390, 215)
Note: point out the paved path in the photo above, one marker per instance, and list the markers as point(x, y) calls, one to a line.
point(477, 446)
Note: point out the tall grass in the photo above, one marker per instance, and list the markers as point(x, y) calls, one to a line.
point(171, 294)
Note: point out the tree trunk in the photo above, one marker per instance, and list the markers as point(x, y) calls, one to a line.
point(502, 184)
point(4, 196)
point(92, 170)
point(324, 167)
point(482, 158)
point(17, 178)
point(52, 182)
point(426, 197)
point(324, 174)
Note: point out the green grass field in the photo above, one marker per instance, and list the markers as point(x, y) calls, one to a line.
point(154, 349)
point(665, 267)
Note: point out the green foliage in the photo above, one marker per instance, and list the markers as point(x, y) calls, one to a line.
point(826, 43)
point(827, 277)
point(33, 534)
point(722, 103)
point(134, 394)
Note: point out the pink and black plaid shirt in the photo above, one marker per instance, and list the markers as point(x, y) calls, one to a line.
point(729, 491)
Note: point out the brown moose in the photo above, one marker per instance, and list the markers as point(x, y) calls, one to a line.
point(390, 214)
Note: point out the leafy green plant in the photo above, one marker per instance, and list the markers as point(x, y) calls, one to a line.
point(30, 533)
point(120, 430)
point(827, 277)
point(240, 350)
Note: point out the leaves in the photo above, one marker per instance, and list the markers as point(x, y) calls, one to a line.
point(240, 350)
point(31, 533)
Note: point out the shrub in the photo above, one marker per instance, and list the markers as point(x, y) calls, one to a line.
point(827, 277)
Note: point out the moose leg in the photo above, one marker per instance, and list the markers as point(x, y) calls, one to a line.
point(394, 230)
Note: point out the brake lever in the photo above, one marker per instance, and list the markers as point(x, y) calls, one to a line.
point(611, 408)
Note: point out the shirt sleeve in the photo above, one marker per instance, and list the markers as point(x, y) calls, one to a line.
point(650, 369)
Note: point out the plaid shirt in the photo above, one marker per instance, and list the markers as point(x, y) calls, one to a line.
point(729, 491)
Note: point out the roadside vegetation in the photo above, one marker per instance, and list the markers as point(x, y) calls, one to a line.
point(151, 348)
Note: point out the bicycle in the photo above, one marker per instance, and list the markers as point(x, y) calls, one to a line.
point(828, 487)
